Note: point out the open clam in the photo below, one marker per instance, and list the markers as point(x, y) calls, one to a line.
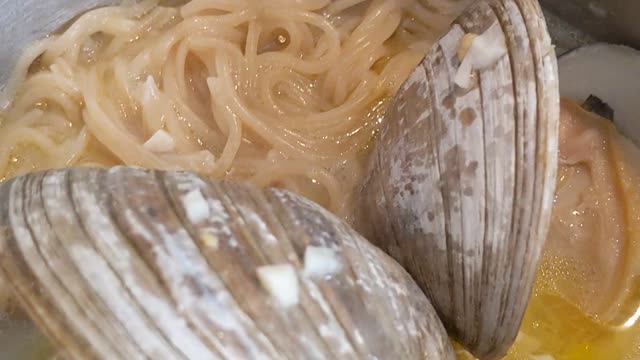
point(129, 263)
point(461, 181)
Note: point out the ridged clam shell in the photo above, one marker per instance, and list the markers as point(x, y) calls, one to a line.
point(129, 264)
point(461, 182)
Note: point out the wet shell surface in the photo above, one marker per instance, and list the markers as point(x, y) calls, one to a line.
point(129, 263)
point(461, 181)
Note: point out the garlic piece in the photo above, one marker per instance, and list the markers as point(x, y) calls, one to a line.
point(196, 206)
point(150, 90)
point(484, 51)
point(160, 142)
point(281, 282)
point(320, 262)
point(209, 239)
point(465, 45)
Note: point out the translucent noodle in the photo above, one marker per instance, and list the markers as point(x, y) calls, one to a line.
point(236, 84)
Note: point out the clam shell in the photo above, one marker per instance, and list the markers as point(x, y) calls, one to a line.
point(461, 181)
point(129, 263)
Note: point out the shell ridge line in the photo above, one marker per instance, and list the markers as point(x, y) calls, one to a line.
point(513, 13)
point(182, 181)
point(532, 52)
point(226, 192)
point(218, 199)
point(486, 255)
point(164, 255)
point(459, 159)
point(536, 27)
point(389, 202)
point(78, 254)
point(430, 91)
point(488, 319)
point(532, 246)
point(68, 256)
point(248, 214)
point(517, 129)
point(482, 311)
point(445, 205)
point(238, 320)
point(14, 189)
point(106, 242)
point(386, 281)
point(476, 318)
point(283, 197)
point(286, 198)
point(53, 276)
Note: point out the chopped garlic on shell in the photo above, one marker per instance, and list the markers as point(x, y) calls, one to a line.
point(485, 50)
point(196, 206)
point(320, 262)
point(281, 283)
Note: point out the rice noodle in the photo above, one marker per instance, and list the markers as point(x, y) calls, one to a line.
point(228, 81)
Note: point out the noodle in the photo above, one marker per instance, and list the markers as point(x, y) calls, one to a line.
point(231, 82)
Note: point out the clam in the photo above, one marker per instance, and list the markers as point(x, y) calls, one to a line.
point(461, 180)
point(129, 263)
